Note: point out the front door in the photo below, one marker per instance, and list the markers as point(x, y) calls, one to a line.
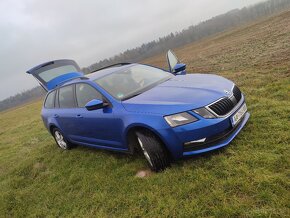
point(97, 127)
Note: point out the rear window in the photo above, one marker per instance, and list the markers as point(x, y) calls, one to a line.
point(66, 97)
point(49, 102)
point(57, 71)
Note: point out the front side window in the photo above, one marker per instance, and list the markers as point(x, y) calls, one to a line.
point(131, 81)
point(66, 97)
point(86, 93)
point(49, 102)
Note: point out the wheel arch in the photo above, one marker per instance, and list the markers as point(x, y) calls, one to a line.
point(51, 127)
point(131, 138)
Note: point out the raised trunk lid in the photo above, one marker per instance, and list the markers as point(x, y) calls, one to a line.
point(53, 73)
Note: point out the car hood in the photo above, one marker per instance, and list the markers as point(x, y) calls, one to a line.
point(180, 93)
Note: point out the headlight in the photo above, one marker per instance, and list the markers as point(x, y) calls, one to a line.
point(204, 113)
point(179, 119)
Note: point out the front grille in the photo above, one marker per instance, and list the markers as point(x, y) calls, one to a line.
point(223, 106)
point(226, 104)
point(237, 93)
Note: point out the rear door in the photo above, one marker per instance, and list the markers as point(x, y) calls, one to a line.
point(52, 74)
point(66, 113)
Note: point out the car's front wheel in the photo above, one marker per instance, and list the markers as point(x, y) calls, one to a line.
point(61, 141)
point(153, 150)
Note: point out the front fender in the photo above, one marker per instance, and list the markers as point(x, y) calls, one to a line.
point(157, 125)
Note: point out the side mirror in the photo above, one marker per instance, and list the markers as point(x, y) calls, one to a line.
point(174, 65)
point(95, 104)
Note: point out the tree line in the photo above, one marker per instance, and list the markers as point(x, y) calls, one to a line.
point(191, 34)
point(22, 98)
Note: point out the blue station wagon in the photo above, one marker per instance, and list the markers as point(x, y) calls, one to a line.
point(129, 107)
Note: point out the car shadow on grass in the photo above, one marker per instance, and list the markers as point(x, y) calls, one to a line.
point(116, 154)
point(122, 156)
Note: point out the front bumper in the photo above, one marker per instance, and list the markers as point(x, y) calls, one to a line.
point(218, 141)
point(218, 133)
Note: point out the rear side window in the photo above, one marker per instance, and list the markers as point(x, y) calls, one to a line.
point(49, 102)
point(86, 93)
point(66, 97)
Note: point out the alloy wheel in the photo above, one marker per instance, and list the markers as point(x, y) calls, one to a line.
point(60, 140)
point(144, 151)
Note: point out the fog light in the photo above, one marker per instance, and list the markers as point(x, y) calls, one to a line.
point(195, 141)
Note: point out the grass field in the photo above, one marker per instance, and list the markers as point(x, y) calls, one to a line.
point(249, 178)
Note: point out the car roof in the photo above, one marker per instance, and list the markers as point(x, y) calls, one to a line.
point(107, 71)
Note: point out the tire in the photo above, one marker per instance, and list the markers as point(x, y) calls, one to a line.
point(153, 150)
point(60, 140)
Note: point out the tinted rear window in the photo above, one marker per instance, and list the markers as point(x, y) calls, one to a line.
point(49, 102)
point(66, 97)
point(57, 71)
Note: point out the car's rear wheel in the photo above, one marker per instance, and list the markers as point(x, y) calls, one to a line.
point(61, 141)
point(153, 150)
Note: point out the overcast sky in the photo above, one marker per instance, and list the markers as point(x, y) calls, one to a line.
point(36, 31)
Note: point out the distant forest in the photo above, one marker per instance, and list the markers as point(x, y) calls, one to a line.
point(204, 29)
point(22, 98)
point(210, 27)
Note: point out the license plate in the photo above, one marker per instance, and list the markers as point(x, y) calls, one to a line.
point(239, 114)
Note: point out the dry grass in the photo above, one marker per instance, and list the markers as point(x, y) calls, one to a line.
point(250, 178)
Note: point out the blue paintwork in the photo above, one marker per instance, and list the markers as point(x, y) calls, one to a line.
point(62, 79)
point(108, 127)
point(180, 69)
point(94, 104)
point(181, 93)
point(223, 143)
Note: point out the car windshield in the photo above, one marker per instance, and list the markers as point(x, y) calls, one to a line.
point(132, 81)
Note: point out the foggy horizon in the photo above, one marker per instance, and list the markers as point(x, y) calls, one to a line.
point(35, 32)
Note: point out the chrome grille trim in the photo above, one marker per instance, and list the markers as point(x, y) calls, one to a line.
point(235, 100)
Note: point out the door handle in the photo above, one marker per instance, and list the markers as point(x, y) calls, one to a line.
point(55, 116)
point(79, 116)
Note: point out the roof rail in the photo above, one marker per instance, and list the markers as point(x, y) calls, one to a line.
point(113, 65)
point(67, 80)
